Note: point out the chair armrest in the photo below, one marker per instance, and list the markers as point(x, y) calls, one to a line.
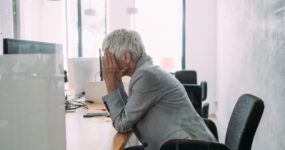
point(205, 110)
point(186, 144)
point(204, 87)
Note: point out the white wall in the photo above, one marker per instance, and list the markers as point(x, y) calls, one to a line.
point(117, 16)
point(6, 21)
point(251, 60)
point(201, 43)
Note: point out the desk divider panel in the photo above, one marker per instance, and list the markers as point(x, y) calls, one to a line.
point(32, 115)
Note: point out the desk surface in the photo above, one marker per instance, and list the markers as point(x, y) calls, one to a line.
point(95, 133)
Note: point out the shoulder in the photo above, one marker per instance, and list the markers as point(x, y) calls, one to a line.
point(147, 73)
point(145, 77)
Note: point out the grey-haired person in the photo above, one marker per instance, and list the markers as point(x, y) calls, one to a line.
point(156, 108)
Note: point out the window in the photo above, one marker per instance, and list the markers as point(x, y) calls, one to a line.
point(93, 26)
point(41, 21)
point(86, 29)
point(58, 22)
point(80, 26)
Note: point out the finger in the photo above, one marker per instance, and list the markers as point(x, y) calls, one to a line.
point(111, 57)
point(107, 58)
point(105, 51)
point(122, 71)
point(114, 62)
point(104, 66)
point(125, 69)
point(104, 62)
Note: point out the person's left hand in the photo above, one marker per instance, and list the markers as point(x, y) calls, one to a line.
point(111, 71)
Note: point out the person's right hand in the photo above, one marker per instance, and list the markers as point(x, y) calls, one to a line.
point(111, 72)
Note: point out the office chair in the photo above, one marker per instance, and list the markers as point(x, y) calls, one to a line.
point(244, 122)
point(65, 76)
point(196, 93)
point(240, 132)
point(212, 127)
point(184, 144)
point(186, 76)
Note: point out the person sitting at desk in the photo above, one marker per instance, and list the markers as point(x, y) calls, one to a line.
point(157, 107)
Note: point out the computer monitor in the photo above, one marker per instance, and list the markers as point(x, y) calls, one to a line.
point(81, 71)
point(16, 46)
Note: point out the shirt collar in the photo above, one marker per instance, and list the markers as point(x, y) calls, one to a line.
point(143, 59)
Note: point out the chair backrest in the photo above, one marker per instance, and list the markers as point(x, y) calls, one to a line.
point(186, 76)
point(186, 144)
point(194, 93)
point(243, 122)
point(212, 127)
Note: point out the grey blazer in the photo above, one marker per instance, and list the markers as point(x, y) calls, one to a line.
point(157, 108)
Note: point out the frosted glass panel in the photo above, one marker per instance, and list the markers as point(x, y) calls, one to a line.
point(32, 113)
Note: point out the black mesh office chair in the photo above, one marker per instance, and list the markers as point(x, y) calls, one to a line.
point(213, 128)
point(184, 144)
point(196, 93)
point(244, 122)
point(186, 76)
point(241, 129)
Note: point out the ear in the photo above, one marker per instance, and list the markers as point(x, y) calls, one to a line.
point(127, 57)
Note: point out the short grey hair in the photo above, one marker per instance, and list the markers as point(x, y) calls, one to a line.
point(121, 40)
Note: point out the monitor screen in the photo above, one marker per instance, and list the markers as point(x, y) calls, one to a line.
point(81, 71)
point(15, 46)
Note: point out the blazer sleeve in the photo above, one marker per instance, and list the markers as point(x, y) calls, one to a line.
point(122, 92)
point(145, 93)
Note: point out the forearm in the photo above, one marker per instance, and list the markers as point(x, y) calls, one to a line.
point(145, 93)
point(115, 106)
point(110, 85)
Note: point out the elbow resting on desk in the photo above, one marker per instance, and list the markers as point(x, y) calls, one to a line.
point(120, 125)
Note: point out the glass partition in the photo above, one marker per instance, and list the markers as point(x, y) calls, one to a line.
point(32, 112)
point(86, 28)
